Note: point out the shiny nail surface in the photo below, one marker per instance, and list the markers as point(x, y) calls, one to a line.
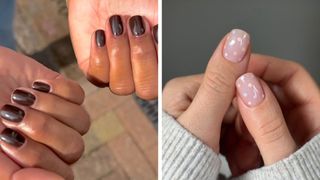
point(137, 25)
point(11, 113)
point(116, 25)
point(40, 86)
point(250, 89)
point(155, 33)
point(236, 45)
point(23, 97)
point(100, 38)
point(12, 137)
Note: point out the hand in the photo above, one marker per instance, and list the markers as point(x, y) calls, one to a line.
point(41, 119)
point(114, 47)
point(236, 142)
point(285, 119)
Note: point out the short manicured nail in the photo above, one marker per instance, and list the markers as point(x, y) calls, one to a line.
point(250, 89)
point(236, 45)
point(116, 25)
point(100, 38)
point(11, 113)
point(23, 97)
point(155, 33)
point(12, 137)
point(137, 25)
point(97, 82)
point(41, 86)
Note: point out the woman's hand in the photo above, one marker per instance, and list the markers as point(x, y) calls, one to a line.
point(237, 144)
point(41, 118)
point(115, 47)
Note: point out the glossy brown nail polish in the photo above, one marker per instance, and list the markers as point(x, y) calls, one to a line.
point(116, 25)
point(100, 38)
point(11, 113)
point(155, 33)
point(23, 97)
point(137, 25)
point(40, 86)
point(12, 137)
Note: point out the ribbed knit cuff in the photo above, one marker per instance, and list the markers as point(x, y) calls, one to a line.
point(304, 164)
point(184, 156)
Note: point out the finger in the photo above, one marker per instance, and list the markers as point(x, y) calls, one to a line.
point(121, 77)
point(98, 71)
point(66, 112)
point(35, 174)
point(8, 167)
point(290, 76)
point(143, 58)
point(62, 87)
point(28, 153)
point(206, 112)
point(178, 94)
point(66, 142)
point(155, 34)
point(263, 117)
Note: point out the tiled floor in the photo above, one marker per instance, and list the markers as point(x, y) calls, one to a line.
point(122, 142)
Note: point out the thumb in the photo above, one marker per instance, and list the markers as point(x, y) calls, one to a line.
point(262, 115)
point(204, 116)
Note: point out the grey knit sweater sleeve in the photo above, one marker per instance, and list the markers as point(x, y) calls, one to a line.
point(186, 157)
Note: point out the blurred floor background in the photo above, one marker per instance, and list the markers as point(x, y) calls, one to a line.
point(122, 142)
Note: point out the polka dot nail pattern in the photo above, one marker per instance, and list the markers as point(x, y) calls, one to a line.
point(250, 90)
point(236, 45)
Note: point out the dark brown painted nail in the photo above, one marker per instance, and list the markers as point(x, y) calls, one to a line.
point(116, 25)
point(97, 82)
point(11, 113)
point(155, 33)
point(40, 86)
point(137, 25)
point(100, 38)
point(12, 137)
point(23, 97)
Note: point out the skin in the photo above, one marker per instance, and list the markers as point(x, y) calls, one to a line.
point(246, 139)
point(52, 138)
point(120, 63)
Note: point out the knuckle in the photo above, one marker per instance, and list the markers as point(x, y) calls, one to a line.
point(142, 53)
point(37, 158)
point(218, 82)
point(40, 128)
point(271, 131)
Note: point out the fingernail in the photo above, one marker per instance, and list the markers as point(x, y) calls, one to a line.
point(155, 33)
point(250, 90)
point(97, 82)
point(40, 86)
point(236, 45)
point(116, 25)
point(12, 137)
point(100, 38)
point(137, 25)
point(23, 97)
point(11, 113)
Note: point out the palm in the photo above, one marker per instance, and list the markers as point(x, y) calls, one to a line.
point(85, 17)
point(17, 71)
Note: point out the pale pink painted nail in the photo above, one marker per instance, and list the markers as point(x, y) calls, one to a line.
point(250, 90)
point(236, 45)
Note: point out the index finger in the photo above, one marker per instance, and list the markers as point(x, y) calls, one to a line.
point(294, 80)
